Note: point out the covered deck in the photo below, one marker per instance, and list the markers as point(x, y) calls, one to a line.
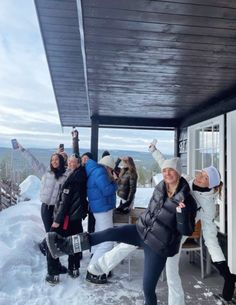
point(123, 290)
point(140, 63)
point(164, 64)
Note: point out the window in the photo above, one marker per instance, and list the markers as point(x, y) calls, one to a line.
point(205, 148)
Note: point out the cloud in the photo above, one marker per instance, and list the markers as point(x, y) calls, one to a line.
point(27, 104)
point(134, 139)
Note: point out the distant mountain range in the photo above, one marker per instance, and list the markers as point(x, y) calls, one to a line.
point(143, 159)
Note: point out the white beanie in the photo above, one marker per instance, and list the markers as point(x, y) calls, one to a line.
point(174, 163)
point(107, 161)
point(213, 176)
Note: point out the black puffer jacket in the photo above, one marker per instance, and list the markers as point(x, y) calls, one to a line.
point(157, 226)
point(72, 200)
point(127, 185)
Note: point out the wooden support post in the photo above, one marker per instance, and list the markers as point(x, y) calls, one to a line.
point(176, 142)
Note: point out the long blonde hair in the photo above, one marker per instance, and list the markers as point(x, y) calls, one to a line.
point(131, 166)
point(219, 189)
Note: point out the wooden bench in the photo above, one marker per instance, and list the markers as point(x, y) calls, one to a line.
point(130, 218)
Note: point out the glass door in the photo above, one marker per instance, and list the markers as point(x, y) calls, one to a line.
point(205, 148)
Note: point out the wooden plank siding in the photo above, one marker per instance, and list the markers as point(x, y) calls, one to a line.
point(155, 61)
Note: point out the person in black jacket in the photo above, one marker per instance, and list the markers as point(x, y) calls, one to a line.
point(156, 230)
point(69, 211)
point(127, 184)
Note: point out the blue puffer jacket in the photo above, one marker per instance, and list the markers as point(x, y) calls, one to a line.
point(101, 190)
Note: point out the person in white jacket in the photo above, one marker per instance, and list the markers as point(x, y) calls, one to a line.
point(205, 189)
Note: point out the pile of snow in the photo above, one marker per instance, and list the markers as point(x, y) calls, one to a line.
point(23, 267)
point(29, 188)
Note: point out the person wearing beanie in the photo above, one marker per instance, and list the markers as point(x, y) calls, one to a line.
point(156, 231)
point(101, 191)
point(127, 184)
point(205, 187)
point(174, 163)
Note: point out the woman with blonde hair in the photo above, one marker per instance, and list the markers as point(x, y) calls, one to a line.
point(205, 187)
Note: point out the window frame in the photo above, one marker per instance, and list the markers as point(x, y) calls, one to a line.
point(191, 158)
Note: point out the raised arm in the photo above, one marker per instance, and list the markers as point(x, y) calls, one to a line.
point(157, 155)
point(38, 166)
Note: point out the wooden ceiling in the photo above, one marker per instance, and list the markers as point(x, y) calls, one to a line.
point(138, 62)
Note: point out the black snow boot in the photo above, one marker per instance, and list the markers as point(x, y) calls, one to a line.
point(73, 273)
point(230, 279)
point(43, 247)
point(59, 246)
point(96, 279)
point(62, 269)
point(52, 279)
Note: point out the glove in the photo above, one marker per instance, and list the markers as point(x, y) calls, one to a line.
point(152, 146)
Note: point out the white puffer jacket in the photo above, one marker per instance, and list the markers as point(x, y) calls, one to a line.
point(50, 187)
point(206, 202)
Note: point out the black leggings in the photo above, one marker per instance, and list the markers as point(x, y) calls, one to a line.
point(47, 215)
point(153, 262)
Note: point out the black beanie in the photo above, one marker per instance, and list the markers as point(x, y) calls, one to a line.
point(105, 153)
point(89, 155)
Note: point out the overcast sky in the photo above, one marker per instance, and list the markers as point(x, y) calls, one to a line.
point(28, 108)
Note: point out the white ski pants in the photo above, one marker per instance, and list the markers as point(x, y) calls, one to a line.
point(112, 258)
point(104, 220)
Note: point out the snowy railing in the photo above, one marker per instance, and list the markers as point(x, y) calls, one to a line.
point(8, 195)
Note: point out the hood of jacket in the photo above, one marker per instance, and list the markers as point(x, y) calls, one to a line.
point(90, 166)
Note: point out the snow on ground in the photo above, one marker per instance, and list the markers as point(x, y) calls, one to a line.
point(23, 267)
point(29, 188)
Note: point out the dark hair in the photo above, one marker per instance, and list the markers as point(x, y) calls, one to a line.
point(88, 154)
point(105, 153)
point(58, 172)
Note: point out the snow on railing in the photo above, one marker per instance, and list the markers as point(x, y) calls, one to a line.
point(8, 195)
